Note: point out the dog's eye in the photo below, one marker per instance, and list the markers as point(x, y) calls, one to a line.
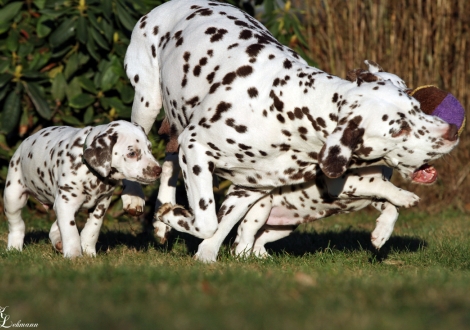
point(132, 154)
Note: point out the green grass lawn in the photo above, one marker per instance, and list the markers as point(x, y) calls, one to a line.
point(325, 276)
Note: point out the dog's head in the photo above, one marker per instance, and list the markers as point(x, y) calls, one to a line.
point(121, 150)
point(382, 124)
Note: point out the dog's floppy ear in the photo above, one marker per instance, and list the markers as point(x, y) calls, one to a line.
point(336, 154)
point(98, 149)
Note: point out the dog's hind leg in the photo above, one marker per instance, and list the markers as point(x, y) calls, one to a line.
point(237, 202)
point(385, 223)
point(250, 225)
point(166, 192)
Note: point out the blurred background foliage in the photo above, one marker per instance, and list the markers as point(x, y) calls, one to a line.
point(61, 62)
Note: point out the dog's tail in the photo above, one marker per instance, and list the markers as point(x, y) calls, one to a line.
point(142, 68)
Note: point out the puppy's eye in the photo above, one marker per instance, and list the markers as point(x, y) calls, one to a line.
point(132, 154)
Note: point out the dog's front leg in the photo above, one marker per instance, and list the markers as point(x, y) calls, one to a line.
point(371, 187)
point(91, 231)
point(197, 170)
point(237, 202)
point(166, 192)
point(65, 212)
point(133, 199)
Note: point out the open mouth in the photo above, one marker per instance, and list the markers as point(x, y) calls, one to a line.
point(426, 174)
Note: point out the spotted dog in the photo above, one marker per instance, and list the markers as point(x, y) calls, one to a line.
point(72, 169)
point(276, 215)
point(279, 213)
point(249, 109)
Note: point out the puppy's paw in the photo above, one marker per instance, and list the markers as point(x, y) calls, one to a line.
point(134, 205)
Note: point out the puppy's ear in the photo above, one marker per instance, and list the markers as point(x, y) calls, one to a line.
point(98, 151)
point(336, 154)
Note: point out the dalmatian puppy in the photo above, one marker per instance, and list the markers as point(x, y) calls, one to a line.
point(250, 110)
point(72, 169)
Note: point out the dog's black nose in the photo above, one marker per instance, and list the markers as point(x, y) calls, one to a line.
point(452, 133)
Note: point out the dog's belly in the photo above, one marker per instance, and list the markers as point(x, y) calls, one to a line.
point(300, 210)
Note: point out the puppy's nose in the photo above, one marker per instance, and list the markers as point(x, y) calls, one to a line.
point(452, 133)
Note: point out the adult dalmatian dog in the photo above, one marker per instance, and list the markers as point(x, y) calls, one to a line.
point(249, 109)
point(72, 169)
point(279, 213)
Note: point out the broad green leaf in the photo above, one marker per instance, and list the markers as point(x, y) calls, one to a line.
point(109, 78)
point(127, 94)
point(88, 117)
point(44, 26)
point(108, 30)
point(25, 49)
point(4, 65)
point(62, 33)
point(4, 27)
point(8, 12)
point(99, 39)
point(72, 66)
point(106, 7)
point(127, 21)
point(61, 51)
point(11, 112)
point(39, 60)
point(82, 30)
point(122, 110)
point(59, 85)
point(94, 22)
point(40, 3)
point(31, 74)
point(4, 78)
point(83, 58)
point(87, 84)
point(72, 120)
point(3, 92)
point(12, 40)
point(82, 101)
point(38, 99)
point(91, 47)
point(73, 89)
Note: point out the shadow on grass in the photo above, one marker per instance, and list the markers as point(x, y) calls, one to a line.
point(348, 240)
point(108, 240)
point(300, 243)
point(297, 244)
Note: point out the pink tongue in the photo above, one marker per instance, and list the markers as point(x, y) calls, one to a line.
point(426, 174)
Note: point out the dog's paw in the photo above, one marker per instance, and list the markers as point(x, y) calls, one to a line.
point(381, 234)
point(134, 205)
point(206, 256)
point(260, 252)
point(404, 198)
point(15, 241)
point(58, 247)
point(162, 230)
